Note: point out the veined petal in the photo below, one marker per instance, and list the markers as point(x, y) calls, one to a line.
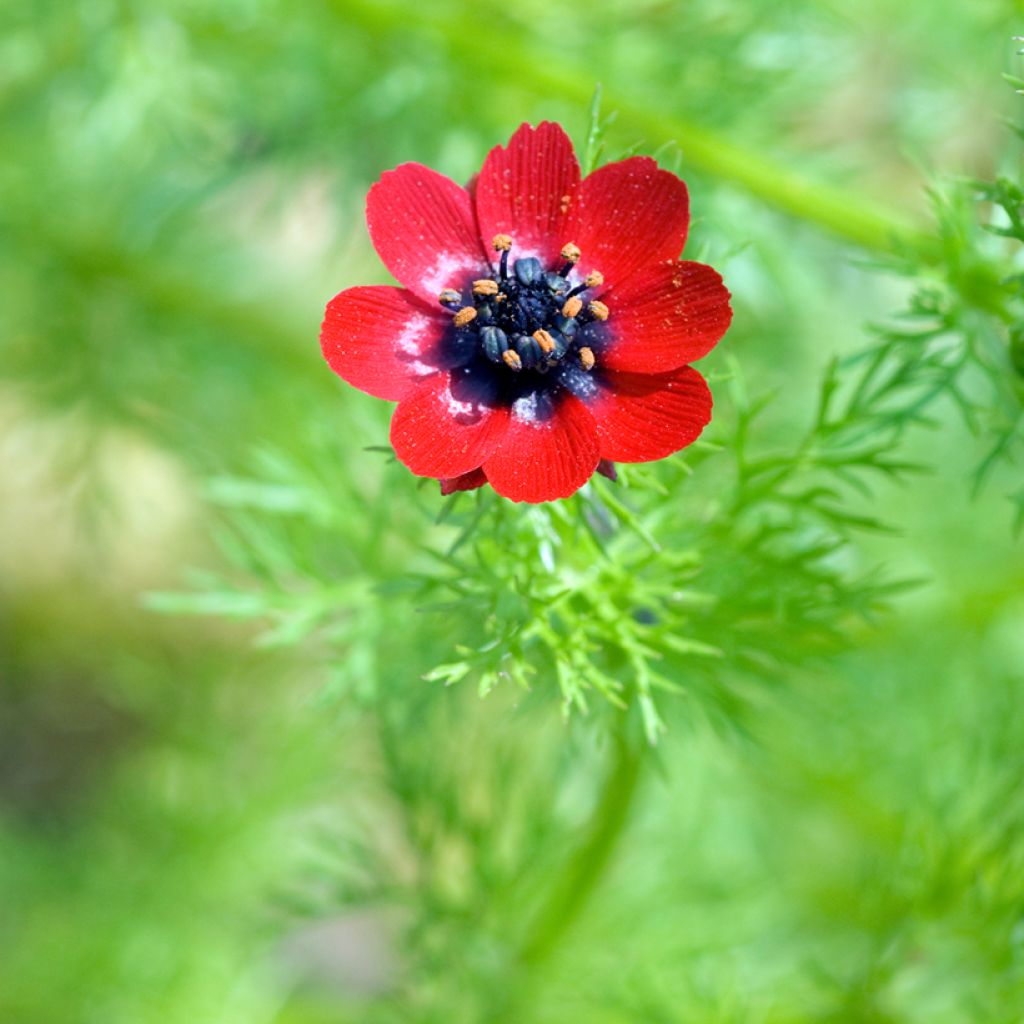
point(664, 318)
point(449, 424)
point(549, 450)
point(381, 340)
point(630, 215)
point(527, 189)
point(423, 228)
point(642, 417)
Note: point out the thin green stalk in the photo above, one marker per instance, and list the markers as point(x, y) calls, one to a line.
point(848, 215)
point(155, 284)
point(571, 894)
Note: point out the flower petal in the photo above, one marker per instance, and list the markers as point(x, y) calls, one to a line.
point(642, 417)
point(449, 424)
point(423, 228)
point(381, 340)
point(549, 450)
point(630, 215)
point(526, 190)
point(467, 482)
point(664, 318)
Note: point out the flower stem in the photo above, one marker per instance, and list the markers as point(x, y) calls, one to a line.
point(859, 220)
point(570, 896)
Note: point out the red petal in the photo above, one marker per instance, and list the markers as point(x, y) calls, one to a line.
point(467, 482)
point(641, 417)
point(380, 339)
point(527, 190)
point(422, 226)
point(630, 215)
point(448, 425)
point(549, 450)
point(664, 318)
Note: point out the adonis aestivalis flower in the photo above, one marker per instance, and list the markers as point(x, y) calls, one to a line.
point(546, 325)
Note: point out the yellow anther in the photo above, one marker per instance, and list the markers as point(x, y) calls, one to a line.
point(571, 252)
point(586, 359)
point(500, 297)
point(466, 315)
point(594, 279)
point(511, 360)
point(572, 307)
point(449, 295)
point(546, 342)
point(502, 243)
point(598, 310)
point(485, 286)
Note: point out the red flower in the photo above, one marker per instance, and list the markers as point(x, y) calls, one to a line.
point(545, 327)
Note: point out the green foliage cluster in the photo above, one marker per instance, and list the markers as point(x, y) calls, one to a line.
point(732, 560)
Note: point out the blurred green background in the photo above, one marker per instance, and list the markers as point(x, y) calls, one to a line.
point(197, 828)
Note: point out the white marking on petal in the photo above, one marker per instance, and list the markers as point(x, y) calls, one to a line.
point(525, 408)
point(449, 270)
point(457, 408)
point(415, 336)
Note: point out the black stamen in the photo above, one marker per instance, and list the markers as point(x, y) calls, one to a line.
point(556, 282)
point(519, 319)
point(528, 269)
point(529, 351)
point(495, 343)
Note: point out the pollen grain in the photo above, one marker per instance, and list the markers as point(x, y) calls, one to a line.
point(511, 360)
point(545, 341)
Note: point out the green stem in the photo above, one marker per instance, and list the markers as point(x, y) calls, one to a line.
point(861, 221)
point(163, 288)
point(586, 868)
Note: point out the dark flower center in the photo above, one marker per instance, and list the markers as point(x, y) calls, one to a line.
point(527, 317)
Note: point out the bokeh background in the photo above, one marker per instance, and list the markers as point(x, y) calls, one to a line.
point(197, 825)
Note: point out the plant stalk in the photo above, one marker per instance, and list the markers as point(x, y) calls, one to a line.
point(570, 897)
point(864, 222)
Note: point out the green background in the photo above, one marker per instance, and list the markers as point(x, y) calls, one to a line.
point(198, 828)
